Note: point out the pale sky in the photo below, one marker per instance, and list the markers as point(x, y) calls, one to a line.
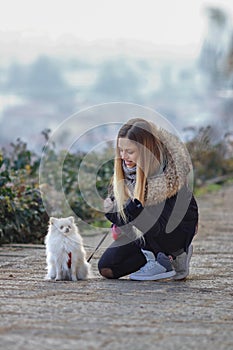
point(29, 28)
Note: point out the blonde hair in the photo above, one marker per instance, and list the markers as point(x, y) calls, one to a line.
point(151, 157)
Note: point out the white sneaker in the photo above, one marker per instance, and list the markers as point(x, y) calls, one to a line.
point(153, 270)
point(181, 264)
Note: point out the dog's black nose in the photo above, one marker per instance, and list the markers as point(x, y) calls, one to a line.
point(67, 230)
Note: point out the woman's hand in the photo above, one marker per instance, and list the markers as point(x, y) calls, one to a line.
point(108, 205)
point(133, 208)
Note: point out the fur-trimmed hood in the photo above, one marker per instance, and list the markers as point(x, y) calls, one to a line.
point(175, 174)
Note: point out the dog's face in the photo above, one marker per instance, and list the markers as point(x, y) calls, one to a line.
point(63, 225)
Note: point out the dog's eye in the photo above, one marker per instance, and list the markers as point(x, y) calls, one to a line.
point(61, 227)
point(69, 226)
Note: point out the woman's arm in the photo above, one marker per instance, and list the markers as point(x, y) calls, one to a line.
point(153, 219)
point(111, 212)
point(132, 209)
point(163, 216)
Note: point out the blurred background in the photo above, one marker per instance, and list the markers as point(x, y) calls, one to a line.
point(61, 57)
point(58, 57)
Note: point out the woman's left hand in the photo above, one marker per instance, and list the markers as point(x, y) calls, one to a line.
point(133, 208)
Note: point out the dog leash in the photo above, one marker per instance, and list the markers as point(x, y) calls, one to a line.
point(99, 244)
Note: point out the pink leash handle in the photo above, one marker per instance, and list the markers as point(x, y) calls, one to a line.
point(116, 232)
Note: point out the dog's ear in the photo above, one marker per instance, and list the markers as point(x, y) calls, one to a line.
point(71, 219)
point(52, 220)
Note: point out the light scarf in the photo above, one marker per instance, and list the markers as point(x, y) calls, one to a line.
point(129, 176)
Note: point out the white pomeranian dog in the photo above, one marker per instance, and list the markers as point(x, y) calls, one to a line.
point(65, 254)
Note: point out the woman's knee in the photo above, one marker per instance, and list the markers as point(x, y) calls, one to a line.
point(106, 272)
point(102, 267)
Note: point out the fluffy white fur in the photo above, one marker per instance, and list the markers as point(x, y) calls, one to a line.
point(62, 239)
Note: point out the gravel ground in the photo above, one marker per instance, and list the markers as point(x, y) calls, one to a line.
point(123, 314)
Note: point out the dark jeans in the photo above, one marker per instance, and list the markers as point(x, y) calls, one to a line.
point(124, 257)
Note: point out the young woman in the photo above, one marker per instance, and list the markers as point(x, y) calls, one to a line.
point(150, 205)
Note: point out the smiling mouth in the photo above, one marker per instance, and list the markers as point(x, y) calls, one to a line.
point(129, 163)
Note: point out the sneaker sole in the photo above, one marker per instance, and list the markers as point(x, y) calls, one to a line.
point(182, 276)
point(153, 278)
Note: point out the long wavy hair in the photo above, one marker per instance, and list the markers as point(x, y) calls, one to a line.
point(151, 157)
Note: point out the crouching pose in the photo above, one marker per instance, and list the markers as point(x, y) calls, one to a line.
point(153, 212)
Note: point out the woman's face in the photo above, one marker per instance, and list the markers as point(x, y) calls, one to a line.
point(128, 152)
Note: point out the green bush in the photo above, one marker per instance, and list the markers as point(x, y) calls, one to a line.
point(23, 218)
point(210, 158)
point(22, 215)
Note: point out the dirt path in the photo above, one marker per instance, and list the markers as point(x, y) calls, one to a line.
point(105, 314)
